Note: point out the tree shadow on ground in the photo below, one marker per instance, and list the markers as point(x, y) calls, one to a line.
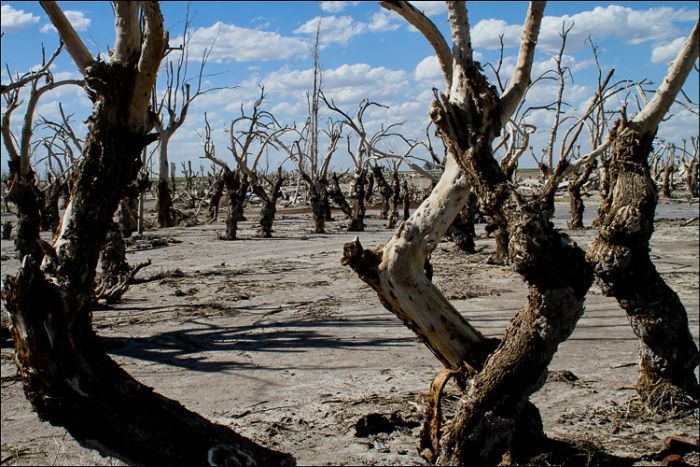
point(574, 452)
point(192, 348)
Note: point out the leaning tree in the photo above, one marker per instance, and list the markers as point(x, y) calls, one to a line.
point(494, 416)
point(68, 378)
point(620, 252)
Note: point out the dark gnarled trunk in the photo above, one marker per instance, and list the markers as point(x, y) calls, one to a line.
point(336, 194)
point(620, 254)
point(269, 205)
point(359, 198)
point(236, 189)
point(164, 205)
point(575, 200)
point(384, 190)
point(394, 201)
point(462, 230)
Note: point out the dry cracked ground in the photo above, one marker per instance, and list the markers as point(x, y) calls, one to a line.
point(276, 339)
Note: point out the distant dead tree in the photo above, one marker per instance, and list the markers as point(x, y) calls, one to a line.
point(24, 190)
point(620, 252)
point(174, 103)
point(691, 168)
point(68, 378)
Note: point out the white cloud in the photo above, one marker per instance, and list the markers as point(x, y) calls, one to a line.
point(340, 29)
point(666, 53)
point(384, 21)
point(329, 6)
point(234, 43)
point(487, 31)
point(13, 20)
point(430, 8)
point(428, 69)
point(77, 18)
point(630, 25)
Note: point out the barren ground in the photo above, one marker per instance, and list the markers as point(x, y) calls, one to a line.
point(276, 339)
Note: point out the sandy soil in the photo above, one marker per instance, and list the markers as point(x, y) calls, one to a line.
point(276, 339)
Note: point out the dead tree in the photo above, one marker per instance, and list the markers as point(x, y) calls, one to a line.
point(406, 200)
point(620, 252)
point(68, 378)
point(691, 168)
point(469, 119)
point(336, 194)
point(576, 206)
point(24, 191)
point(175, 103)
point(269, 202)
point(395, 197)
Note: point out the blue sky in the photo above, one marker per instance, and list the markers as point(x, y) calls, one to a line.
point(366, 52)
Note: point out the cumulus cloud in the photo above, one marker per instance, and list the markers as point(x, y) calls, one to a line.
point(13, 20)
point(329, 6)
point(340, 29)
point(666, 53)
point(628, 24)
point(77, 18)
point(235, 43)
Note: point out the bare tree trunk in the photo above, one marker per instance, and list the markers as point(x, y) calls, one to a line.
point(575, 200)
point(384, 190)
point(128, 216)
point(358, 195)
point(49, 212)
point(215, 199)
point(691, 179)
point(369, 186)
point(394, 200)
point(318, 197)
point(666, 180)
point(27, 197)
point(406, 201)
point(337, 196)
point(236, 188)
point(164, 201)
point(620, 254)
point(269, 206)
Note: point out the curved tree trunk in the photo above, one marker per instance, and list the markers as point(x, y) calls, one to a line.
point(620, 254)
